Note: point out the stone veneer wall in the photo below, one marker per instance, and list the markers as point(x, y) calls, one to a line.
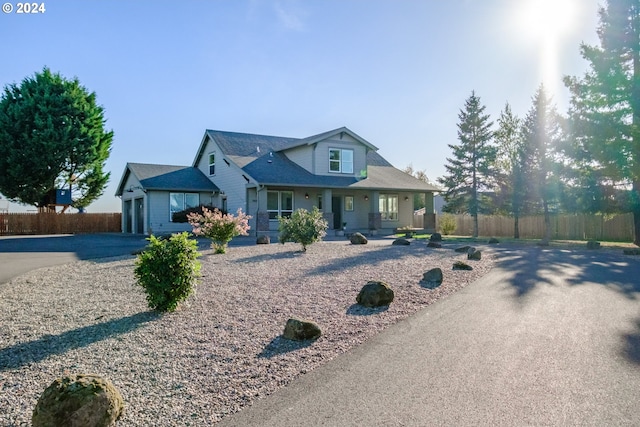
point(262, 221)
point(375, 220)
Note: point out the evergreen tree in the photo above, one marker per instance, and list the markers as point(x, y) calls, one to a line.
point(52, 136)
point(471, 170)
point(511, 165)
point(605, 103)
point(542, 137)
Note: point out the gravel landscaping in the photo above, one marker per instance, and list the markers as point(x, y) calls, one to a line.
point(220, 351)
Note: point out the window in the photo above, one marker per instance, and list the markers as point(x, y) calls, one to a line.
point(279, 203)
point(319, 202)
point(340, 160)
point(348, 203)
point(212, 163)
point(389, 207)
point(181, 201)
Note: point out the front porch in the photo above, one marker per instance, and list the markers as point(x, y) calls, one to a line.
point(369, 212)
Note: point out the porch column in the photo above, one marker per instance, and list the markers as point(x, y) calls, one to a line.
point(429, 212)
point(327, 207)
point(375, 218)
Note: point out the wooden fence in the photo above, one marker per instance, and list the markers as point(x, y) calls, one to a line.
point(564, 227)
point(52, 223)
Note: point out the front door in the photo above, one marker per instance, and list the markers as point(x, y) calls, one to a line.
point(336, 207)
point(138, 207)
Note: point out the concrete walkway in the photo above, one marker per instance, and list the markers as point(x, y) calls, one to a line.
point(549, 337)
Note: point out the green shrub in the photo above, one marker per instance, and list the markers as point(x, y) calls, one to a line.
point(447, 223)
point(304, 227)
point(220, 227)
point(168, 270)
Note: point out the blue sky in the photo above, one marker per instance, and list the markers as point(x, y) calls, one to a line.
point(396, 72)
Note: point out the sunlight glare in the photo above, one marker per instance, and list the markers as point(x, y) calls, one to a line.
point(546, 23)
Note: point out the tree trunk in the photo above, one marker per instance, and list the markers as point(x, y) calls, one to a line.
point(516, 227)
point(547, 225)
point(636, 213)
point(475, 225)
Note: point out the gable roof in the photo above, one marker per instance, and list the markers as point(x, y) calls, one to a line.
point(167, 177)
point(262, 157)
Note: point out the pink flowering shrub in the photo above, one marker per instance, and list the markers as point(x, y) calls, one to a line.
point(219, 227)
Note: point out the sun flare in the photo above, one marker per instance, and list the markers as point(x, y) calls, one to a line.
point(545, 23)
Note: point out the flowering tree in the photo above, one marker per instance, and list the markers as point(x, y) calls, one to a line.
point(219, 227)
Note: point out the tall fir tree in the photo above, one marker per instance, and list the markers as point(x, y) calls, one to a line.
point(605, 103)
point(542, 136)
point(511, 165)
point(471, 169)
point(52, 136)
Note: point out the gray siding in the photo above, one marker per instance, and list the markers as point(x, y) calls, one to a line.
point(229, 178)
point(303, 156)
point(321, 156)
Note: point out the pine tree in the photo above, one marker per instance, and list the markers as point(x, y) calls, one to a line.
point(52, 136)
point(471, 169)
point(510, 164)
point(542, 137)
point(605, 102)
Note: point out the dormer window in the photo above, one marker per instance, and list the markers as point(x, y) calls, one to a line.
point(340, 160)
point(212, 163)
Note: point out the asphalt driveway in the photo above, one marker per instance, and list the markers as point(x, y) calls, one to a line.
point(549, 337)
point(20, 254)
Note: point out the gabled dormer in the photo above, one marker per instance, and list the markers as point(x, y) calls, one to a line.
point(339, 152)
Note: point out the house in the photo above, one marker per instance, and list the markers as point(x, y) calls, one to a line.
point(269, 176)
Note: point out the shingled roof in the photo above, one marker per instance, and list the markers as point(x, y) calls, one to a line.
point(262, 157)
point(167, 177)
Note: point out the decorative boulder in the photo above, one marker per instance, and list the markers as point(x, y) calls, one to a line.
point(436, 237)
point(433, 276)
point(434, 245)
point(78, 401)
point(375, 294)
point(459, 265)
point(463, 249)
point(592, 244)
point(263, 240)
point(358, 239)
point(301, 330)
point(401, 242)
point(493, 240)
point(474, 254)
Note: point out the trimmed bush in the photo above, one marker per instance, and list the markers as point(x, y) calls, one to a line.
point(168, 271)
point(447, 223)
point(304, 227)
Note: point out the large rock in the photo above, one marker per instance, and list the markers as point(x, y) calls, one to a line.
point(78, 401)
point(493, 241)
point(459, 265)
point(436, 237)
point(463, 249)
point(263, 240)
point(401, 242)
point(433, 276)
point(301, 330)
point(375, 294)
point(358, 239)
point(474, 254)
point(592, 244)
point(434, 245)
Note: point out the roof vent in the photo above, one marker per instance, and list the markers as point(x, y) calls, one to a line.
point(258, 149)
point(270, 153)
